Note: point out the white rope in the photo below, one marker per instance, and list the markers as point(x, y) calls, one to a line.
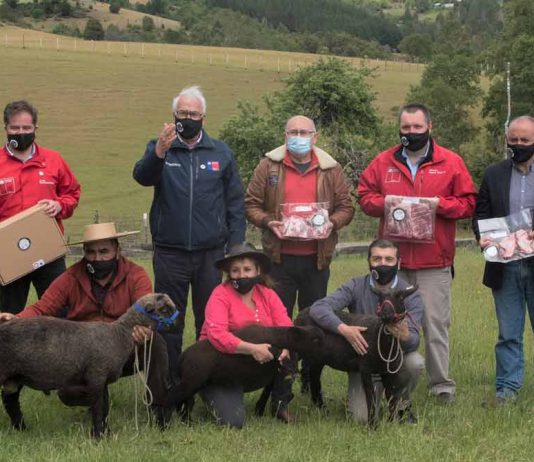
point(148, 398)
point(391, 357)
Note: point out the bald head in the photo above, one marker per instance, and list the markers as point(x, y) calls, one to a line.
point(300, 122)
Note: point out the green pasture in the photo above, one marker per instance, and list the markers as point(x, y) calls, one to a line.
point(99, 106)
point(462, 432)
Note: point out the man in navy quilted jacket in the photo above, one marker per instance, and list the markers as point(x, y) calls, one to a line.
point(197, 209)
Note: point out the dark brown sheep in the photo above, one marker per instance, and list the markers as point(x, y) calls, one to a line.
point(79, 359)
point(202, 364)
point(337, 353)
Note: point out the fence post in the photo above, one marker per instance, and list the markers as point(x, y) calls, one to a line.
point(142, 50)
point(57, 43)
point(23, 44)
point(145, 226)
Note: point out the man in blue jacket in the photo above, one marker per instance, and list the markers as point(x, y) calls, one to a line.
point(197, 209)
point(357, 296)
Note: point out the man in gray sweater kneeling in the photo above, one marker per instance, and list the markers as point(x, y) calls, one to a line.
point(357, 296)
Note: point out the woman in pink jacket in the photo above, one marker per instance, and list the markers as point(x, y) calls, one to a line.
point(244, 298)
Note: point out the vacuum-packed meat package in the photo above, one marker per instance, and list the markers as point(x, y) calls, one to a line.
point(409, 218)
point(508, 237)
point(306, 221)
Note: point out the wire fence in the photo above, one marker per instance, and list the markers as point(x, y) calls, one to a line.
point(279, 61)
point(362, 229)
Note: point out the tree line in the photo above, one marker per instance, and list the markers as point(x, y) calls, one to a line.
point(339, 98)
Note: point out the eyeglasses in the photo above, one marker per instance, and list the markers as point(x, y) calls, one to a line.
point(194, 115)
point(302, 133)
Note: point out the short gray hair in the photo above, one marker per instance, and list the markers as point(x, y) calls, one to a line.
point(190, 92)
point(520, 119)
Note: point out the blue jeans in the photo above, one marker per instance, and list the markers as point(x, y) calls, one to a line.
point(517, 291)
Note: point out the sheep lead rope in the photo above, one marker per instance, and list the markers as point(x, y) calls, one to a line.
point(392, 357)
point(148, 398)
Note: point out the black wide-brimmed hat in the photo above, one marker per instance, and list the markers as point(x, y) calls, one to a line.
point(245, 250)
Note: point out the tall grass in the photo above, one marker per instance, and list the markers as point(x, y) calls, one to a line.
point(464, 431)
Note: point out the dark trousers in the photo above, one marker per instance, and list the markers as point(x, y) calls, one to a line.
point(227, 404)
point(297, 280)
point(174, 271)
point(14, 296)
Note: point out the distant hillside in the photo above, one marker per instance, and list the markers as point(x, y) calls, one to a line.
point(359, 28)
point(100, 11)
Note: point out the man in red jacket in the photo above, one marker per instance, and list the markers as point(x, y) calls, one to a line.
point(419, 167)
point(29, 175)
point(101, 287)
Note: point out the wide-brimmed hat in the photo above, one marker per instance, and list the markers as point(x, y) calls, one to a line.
point(245, 250)
point(101, 231)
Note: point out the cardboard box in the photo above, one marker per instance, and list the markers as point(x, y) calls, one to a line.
point(28, 240)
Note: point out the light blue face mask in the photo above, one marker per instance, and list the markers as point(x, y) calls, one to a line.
point(299, 146)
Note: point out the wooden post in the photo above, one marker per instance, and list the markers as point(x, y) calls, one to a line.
point(23, 44)
point(142, 50)
point(75, 45)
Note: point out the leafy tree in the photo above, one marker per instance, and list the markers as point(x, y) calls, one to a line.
point(114, 6)
point(516, 45)
point(93, 30)
point(450, 88)
point(147, 24)
point(332, 93)
point(417, 45)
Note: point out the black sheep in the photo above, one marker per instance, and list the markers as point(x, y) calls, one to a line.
point(337, 353)
point(202, 364)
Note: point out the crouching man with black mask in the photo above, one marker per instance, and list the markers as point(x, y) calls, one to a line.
point(101, 287)
point(357, 295)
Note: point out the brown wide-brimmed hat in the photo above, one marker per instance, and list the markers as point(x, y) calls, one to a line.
point(245, 250)
point(101, 231)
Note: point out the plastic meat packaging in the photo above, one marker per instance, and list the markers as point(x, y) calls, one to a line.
point(509, 237)
point(306, 221)
point(410, 218)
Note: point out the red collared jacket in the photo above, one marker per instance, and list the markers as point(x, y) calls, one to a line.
point(443, 175)
point(71, 291)
point(45, 176)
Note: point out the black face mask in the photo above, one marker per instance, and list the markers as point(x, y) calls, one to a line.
point(101, 269)
point(245, 285)
point(383, 274)
point(188, 128)
point(520, 153)
point(20, 141)
point(414, 141)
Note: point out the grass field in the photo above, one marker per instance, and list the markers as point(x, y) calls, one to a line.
point(462, 432)
point(99, 105)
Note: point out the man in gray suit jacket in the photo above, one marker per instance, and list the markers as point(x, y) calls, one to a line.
point(508, 187)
